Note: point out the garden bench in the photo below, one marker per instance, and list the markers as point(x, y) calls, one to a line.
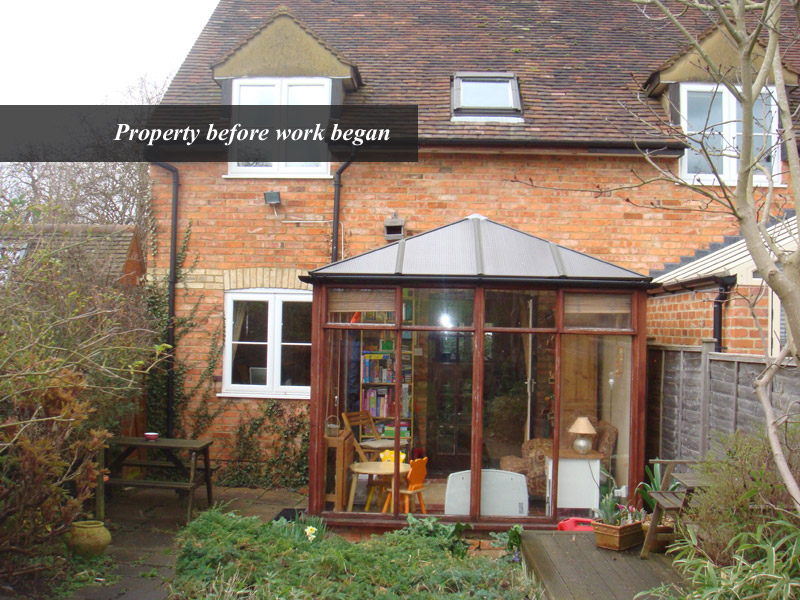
point(666, 500)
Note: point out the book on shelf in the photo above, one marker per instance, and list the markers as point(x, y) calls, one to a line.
point(378, 367)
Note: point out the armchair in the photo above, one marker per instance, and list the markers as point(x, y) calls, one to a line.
point(534, 451)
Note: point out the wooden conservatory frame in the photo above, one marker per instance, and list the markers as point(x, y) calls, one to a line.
point(323, 282)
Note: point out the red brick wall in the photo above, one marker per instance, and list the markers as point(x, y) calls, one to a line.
point(232, 228)
point(686, 318)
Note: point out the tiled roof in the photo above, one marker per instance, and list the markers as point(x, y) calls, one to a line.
point(108, 243)
point(580, 63)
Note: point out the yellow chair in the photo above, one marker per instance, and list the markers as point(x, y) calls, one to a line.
point(416, 477)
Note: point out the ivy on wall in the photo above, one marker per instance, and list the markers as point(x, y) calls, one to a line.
point(284, 462)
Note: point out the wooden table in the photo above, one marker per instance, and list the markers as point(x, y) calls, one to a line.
point(191, 476)
point(379, 469)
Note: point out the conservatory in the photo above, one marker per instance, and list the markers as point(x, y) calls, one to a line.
point(504, 371)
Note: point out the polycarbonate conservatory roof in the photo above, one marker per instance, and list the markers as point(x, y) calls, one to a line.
point(477, 249)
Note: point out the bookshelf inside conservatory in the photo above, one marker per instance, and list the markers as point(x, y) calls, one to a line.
point(377, 384)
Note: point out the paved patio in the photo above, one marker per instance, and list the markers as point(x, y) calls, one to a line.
point(143, 523)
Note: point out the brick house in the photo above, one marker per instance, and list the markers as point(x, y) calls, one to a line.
point(532, 114)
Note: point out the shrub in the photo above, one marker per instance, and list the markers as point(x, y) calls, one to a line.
point(46, 473)
point(225, 555)
point(764, 563)
point(72, 352)
point(744, 492)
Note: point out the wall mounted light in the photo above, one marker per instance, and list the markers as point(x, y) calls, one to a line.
point(272, 198)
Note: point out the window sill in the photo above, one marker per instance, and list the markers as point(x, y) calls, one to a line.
point(761, 183)
point(265, 396)
point(275, 176)
point(486, 119)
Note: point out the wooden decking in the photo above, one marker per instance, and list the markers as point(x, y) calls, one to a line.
point(571, 566)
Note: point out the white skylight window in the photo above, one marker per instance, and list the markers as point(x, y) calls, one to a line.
point(486, 97)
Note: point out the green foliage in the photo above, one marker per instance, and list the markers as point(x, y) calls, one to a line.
point(189, 424)
point(764, 563)
point(744, 491)
point(73, 351)
point(653, 483)
point(431, 527)
point(286, 462)
point(511, 540)
point(611, 512)
point(228, 556)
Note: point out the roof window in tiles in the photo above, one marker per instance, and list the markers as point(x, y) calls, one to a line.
point(486, 97)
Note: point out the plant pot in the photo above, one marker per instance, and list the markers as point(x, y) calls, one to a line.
point(618, 537)
point(665, 535)
point(88, 538)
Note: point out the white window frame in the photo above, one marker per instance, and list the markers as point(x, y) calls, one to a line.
point(275, 299)
point(729, 128)
point(280, 169)
point(467, 112)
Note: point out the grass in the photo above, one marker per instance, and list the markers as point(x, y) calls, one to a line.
point(223, 555)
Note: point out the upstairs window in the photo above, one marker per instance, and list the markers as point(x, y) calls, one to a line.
point(279, 91)
point(712, 119)
point(486, 97)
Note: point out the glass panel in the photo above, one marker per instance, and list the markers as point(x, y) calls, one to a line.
point(446, 308)
point(296, 365)
point(519, 388)
point(437, 377)
point(704, 118)
point(296, 322)
point(361, 306)
point(258, 94)
point(249, 365)
point(250, 321)
point(507, 308)
point(595, 395)
point(486, 94)
point(358, 365)
point(306, 94)
point(597, 311)
point(763, 116)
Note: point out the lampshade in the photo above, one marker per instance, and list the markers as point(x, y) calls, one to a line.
point(582, 426)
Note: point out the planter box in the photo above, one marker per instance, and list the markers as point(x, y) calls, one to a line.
point(618, 537)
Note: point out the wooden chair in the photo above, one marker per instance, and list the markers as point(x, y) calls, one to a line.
point(370, 447)
point(416, 477)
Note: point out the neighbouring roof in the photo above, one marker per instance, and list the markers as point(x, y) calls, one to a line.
point(117, 245)
point(732, 259)
point(478, 249)
point(580, 65)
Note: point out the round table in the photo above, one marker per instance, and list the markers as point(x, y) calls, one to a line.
point(372, 468)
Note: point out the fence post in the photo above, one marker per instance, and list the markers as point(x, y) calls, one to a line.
point(706, 348)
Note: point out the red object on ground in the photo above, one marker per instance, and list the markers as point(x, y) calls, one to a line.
point(575, 524)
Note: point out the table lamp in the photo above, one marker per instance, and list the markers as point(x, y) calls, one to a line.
point(583, 430)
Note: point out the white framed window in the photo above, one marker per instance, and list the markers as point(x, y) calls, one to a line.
point(279, 91)
point(711, 117)
point(267, 343)
point(486, 97)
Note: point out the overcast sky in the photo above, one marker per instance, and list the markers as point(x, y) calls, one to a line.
point(91, 51)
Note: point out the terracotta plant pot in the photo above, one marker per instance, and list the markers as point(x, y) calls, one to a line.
point(88, 538)
point(618, 537)
point(665, 535)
